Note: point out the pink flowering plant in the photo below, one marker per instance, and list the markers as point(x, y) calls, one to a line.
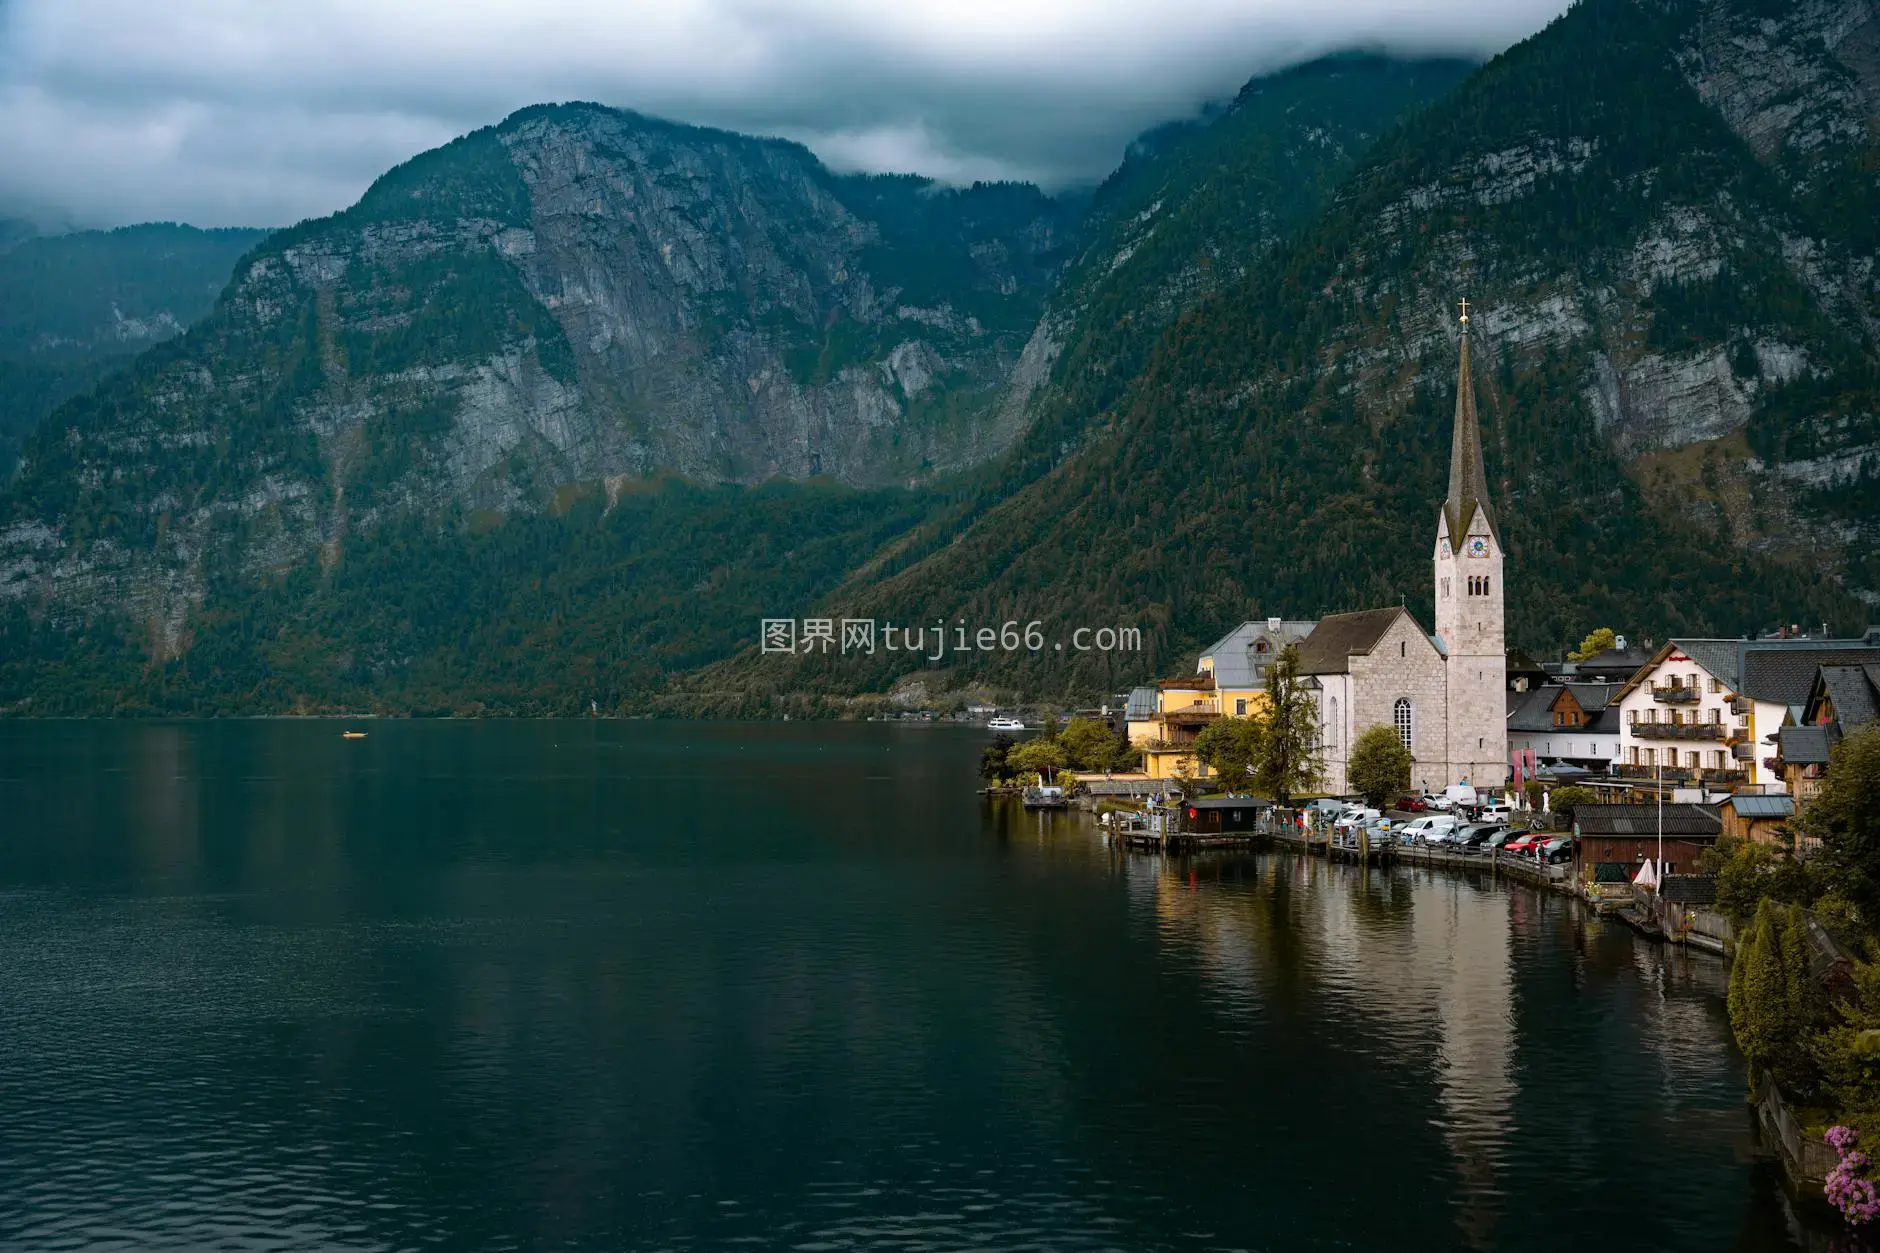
point(1848, 1188)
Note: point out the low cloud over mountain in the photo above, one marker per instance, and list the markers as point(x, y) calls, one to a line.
point(225, 112)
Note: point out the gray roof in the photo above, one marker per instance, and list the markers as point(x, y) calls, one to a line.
point(1637, 820)
point(1235, 663)
point(1727, 658)
point(1617, 663)
point(1335, 639)
point(1854, 691)
point(1231, 802)
point(1594, 696)
point(1722, 658)
point(1141, 706)
point(1747, 806)
point(1786, 675)
point(1807, 746)
point(1689, 889)
point(1532, 713)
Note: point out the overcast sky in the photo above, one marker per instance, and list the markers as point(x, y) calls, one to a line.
point(261, 112)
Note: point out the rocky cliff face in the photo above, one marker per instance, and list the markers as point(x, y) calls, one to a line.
point(577, 296)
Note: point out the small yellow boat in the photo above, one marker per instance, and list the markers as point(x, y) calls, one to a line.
point(352, 735)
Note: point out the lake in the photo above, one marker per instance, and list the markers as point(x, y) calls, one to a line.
point(635, 985)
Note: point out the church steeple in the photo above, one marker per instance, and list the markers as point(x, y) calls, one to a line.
point(1468, 482)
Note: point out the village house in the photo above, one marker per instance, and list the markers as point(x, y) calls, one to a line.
point(1761, 819)
point(1571, 723)
point(1708, 712)
point(1628, 834)
point(1842, 698)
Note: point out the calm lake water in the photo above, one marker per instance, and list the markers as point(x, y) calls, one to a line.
point(639, 986)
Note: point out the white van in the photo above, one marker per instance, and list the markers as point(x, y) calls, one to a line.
point(1429, 829)
point(1460, 795)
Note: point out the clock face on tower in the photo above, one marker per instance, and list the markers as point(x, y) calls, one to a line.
point(1478, 547)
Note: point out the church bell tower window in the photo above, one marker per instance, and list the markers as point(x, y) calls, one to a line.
point(1403, 716)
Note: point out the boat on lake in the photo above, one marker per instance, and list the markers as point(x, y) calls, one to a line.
point(1005, 724)
point(352, 735)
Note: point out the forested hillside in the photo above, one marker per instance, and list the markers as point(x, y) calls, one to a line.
point(75, 307)
point(1667, 317)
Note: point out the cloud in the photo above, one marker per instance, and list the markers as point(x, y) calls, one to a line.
point(225, 112)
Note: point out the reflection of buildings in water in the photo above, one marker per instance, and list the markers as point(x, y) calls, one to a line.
point(1395, 947)
point(1678, 1019)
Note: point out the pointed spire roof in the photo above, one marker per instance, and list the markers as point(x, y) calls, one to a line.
point(1468, 482)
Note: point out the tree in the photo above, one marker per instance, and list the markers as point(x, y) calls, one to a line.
point(1845, 817)
point(1773, 999)
point(1595, 643)
point(1749, 873)
point(1380, 765)
point(1565, 798)
point(1232, 748)
point(1090, 745)
point(1290, 760)
point(992, 762)
point(1042, 756)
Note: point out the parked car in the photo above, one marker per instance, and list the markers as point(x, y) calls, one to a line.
point(1529, 845)
point(1430, 828)
point(1500, 840)
point(1438, 802)
point(1411, 804)
point(1329, 806)
point(1557, 850)
point(1494, 811)
point(1354, 817)
point(1475, 838)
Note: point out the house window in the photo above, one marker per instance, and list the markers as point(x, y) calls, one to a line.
point(1690, 759)
point(1716, 759)
point(1716, 717)
point(1715, 686)
point(1635, 760)
point(1631, 716)
point(1260, 646)
point(1240, 707)
point(1651, 756)
point(1404, 718)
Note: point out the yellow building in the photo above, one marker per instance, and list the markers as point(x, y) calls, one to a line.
point(1229, 682)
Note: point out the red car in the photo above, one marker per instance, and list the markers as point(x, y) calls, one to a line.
point(1527, 845)
point(1410, 805)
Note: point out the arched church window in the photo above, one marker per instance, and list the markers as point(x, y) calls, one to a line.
point(1485, 585)
point(1404, 718)
point(1333, 738)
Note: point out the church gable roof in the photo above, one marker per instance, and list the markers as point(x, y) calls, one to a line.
point(1338, 638)
point(1468, 480)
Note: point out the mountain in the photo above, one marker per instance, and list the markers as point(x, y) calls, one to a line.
point(74, 307)
point(488, 439)
point(558, 411)
point(1664, 214)
point(581, 304)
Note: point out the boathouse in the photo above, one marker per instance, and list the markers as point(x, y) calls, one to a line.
point(1224, 815)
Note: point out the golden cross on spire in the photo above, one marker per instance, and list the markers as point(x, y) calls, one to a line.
point(1465, 311)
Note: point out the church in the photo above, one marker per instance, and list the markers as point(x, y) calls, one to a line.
point(1442, 692)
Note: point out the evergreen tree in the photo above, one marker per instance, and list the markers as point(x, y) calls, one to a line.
point(1290, 760)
